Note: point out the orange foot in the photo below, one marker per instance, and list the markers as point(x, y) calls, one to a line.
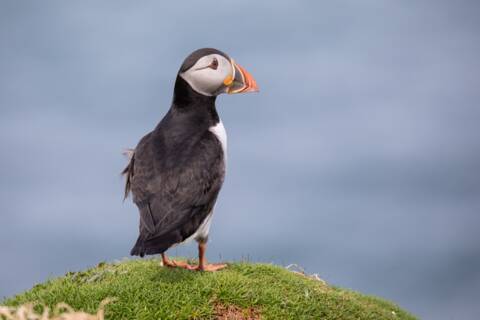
point(177, 264)
point(211, 267)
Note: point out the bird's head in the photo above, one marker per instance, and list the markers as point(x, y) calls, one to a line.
point(211, 72)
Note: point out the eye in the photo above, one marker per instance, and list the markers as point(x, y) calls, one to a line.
point(214, 64)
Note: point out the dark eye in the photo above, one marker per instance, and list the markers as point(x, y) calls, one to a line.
point(214, 64)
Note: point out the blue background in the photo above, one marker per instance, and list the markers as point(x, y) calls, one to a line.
point(358, 160)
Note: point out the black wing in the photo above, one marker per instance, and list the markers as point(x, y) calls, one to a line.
point(175, 189)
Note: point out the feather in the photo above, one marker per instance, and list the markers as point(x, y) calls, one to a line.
point(128, 171)
point(128, 153)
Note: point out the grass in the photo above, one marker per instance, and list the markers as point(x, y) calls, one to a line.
point(144, 290)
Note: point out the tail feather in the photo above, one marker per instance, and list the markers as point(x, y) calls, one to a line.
point(138, 249)
point(143, 247)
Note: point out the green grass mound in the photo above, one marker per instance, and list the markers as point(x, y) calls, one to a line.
point(145, 290)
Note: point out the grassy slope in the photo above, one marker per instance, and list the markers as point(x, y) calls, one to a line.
point(147, 291)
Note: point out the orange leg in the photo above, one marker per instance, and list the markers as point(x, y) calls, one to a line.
point(202, 261)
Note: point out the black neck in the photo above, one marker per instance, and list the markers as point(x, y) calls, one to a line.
point(185, 97)
point(188, 101)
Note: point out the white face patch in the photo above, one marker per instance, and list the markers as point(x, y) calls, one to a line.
point(206, 80)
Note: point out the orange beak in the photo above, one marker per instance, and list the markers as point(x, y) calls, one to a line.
point(241, 81)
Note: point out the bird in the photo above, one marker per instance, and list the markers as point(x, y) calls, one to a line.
point(176, 171)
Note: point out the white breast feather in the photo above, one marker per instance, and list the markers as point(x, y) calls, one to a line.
point(219, 131)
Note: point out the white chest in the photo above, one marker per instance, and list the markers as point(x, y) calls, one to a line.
point(219, 131)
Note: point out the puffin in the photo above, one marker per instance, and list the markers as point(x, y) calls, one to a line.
point(176, 171)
